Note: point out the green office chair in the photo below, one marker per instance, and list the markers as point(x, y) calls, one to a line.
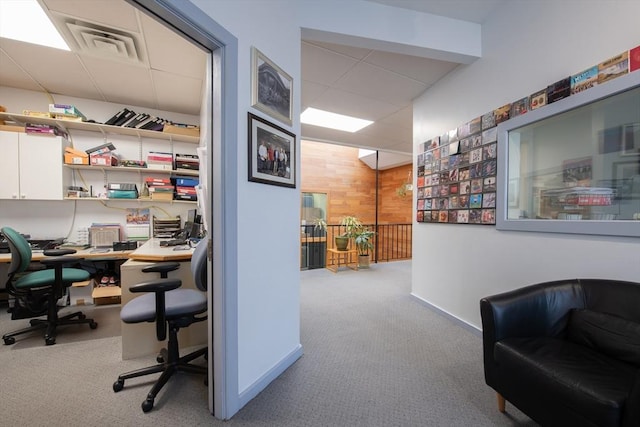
point(171, 309)
point(38, 292)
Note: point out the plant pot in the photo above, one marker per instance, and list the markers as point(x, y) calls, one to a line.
point(341, 243)
point(363, 261)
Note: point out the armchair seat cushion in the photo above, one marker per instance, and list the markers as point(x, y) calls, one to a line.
point(178, 303)
point(589, 383)
point(46, 278)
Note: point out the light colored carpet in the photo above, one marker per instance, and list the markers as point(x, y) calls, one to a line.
point(373, 356)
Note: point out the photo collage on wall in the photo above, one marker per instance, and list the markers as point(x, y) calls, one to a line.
point(456, 177)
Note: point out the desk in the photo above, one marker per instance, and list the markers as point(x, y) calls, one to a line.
point(83, 253)
point(139, 339)
point(335, 258)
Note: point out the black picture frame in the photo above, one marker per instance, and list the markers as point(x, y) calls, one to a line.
point(271, 88)
point(269, 166)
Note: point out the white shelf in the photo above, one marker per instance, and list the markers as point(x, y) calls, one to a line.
point(98, 127)
point(140, 200)
point(173, 172)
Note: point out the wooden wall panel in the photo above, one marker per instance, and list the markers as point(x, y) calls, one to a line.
point(350, 184)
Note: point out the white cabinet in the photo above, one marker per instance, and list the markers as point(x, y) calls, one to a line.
point(31, 167)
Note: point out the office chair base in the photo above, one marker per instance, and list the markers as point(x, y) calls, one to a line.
point(51, 327)
point(167, 370)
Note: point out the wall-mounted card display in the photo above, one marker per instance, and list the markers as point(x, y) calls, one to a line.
point(452, 171)
point(456, 172)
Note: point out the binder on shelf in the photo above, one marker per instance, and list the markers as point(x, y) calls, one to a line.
point(124, 118)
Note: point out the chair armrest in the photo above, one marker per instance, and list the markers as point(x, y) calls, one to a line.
point(59, 260)
point(58, 252)
point(159, 285)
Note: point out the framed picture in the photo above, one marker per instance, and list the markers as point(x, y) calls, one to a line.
point(271, 88)
point(272, 153)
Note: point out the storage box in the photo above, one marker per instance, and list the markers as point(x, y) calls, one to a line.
point(104, 295)
point(75, 157)
point(80, 293)
point(105, 159)
point(12, 128)
point(182, 130)
point(162, 195)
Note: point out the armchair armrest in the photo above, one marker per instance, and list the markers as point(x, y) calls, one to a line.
point(532, 311)
point(53, 261)
point(631, 415)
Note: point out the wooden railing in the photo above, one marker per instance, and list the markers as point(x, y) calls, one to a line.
point(391, 242)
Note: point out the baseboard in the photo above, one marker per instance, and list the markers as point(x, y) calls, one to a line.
point(266, 379)
point(469, 327)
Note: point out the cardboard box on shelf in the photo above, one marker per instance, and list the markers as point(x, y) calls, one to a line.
point(182, 130)
point(80, 293)
point(104, 295)
point(11, 128)
point(75, 157)
point(104, 159)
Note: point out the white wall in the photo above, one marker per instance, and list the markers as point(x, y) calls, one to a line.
point(526, 46)
point(64, 218)
point(268, 240)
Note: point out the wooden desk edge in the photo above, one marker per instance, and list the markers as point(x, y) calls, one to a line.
point(157, 257)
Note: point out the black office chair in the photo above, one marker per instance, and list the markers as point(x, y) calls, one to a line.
point(38, 292)
point(170, 308)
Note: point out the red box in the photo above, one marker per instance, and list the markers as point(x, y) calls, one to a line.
point(104, 159)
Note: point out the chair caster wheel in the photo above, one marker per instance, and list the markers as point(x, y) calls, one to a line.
point(9, 340)
point(159, 358)
point(93, 325)
point(82, 316)
point(147, 405)
point(118, 385)
point(50, 340)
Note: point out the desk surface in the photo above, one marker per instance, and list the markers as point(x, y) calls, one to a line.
point(152, 251)
point(149, 251)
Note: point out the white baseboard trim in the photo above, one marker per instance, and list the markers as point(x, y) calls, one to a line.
point(261, 383)
point(471, 328)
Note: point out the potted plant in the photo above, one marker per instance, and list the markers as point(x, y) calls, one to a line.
point(352, 226)
point(363, 246)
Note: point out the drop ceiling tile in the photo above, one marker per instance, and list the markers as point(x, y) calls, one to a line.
point(56, 70)
point(425, 70)
point(122, 83)
point(182, 93)
point(171, 52)
point(107, 13)
point(311, 92)
point(350, 51)
point(402, 117)
point(378, 83)
point(12, 76)
point(353, 105)
point(322, 66)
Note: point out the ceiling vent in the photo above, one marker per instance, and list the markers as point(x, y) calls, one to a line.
point(105, 42)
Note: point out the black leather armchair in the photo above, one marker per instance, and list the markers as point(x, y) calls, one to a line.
point(566, 353)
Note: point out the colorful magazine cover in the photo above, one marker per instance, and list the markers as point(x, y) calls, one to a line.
point(584, 80)
point(488, 120)
point(475, 125)
point(502, 113)
point(634, 59)
point(558, 90)
point(613, 67)
point(538, 99)
point(519, 107)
